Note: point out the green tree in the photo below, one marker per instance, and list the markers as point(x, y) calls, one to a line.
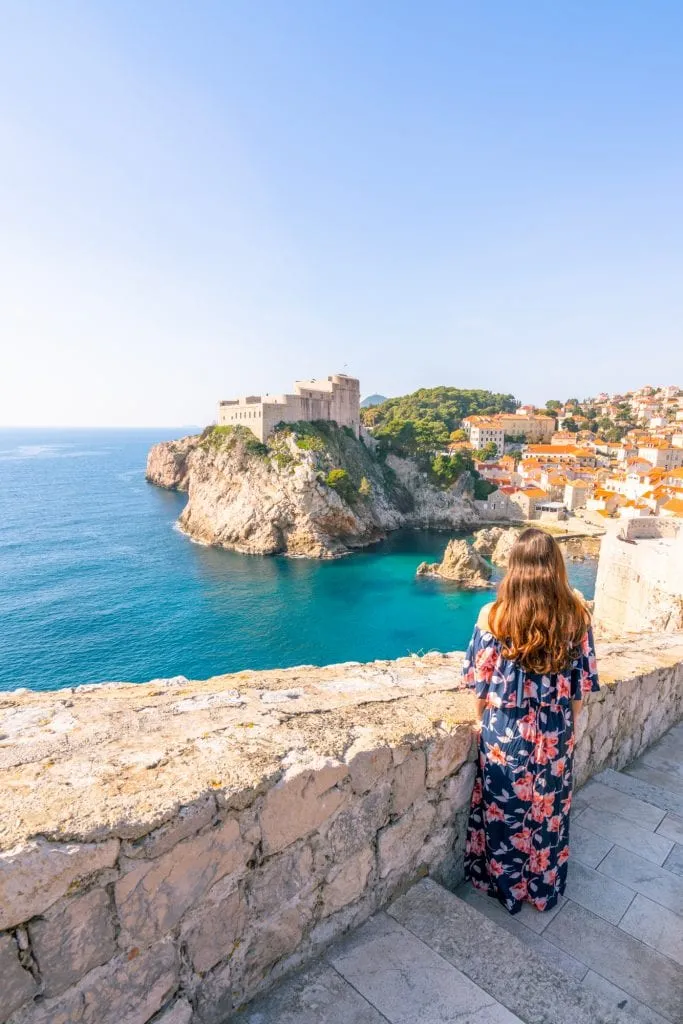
point(458, 435)
point(340, 481)
point(486, 453)
point(571, 425)
point(553, 404)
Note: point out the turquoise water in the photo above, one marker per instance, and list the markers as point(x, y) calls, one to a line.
point(96, 584)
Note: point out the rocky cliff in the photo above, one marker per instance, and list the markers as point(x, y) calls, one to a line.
point(313, 491)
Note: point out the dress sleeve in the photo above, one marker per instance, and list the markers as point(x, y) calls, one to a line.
point(480, 661)
point(585, 669)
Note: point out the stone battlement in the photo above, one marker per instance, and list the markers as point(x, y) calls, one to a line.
point(170, 849)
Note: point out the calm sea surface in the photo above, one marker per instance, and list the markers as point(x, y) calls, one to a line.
point(96, 584)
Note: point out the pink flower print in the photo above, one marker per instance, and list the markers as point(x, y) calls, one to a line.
point(586, 683)
point(519, 891)
point(550, 877)
point(530, 689)
point(495, 868)
point(477, 793)
point(486, 662)
point(527, 727)
point(496, 755)
point(555, 823)
point(557, 767)
point(539, 859)
point(477, 841)
point(494, 813)
point(563, 855)
point(524, 787)
point(546, 747)
point(494, 700)
point(563, 687)
point(539, 903)
point(522, 840)
point(571, 743)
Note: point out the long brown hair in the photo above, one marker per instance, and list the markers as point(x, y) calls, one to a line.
point(538, 618)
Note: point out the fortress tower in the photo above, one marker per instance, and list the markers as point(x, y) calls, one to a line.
point(335, 399)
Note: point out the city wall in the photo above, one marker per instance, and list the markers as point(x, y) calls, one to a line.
point(168, 850)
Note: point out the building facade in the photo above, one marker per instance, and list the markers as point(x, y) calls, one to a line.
point(335, 399)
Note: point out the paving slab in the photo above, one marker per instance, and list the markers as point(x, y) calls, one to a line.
point(667, 757)
point(514, 924)
point(585, 846)
point(672, 827)
point(647, 844)
point(317, 995)
point(644, 973)
point(594, 891)
point(674, 862)
point(654, 796)
point(615, 995)
point(526, 983)
point(602, 795)
point(656, 926)
point(405, 980)
point(667, 780)
point(658, 884)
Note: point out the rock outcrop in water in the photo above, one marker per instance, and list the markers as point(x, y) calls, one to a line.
point(495, 543)
point(461, 564)
point(313, 491)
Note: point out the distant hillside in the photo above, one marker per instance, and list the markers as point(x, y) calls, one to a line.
point(372, 400)
point(424, 420)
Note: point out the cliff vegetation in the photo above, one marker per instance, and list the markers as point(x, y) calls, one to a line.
point(313, 490)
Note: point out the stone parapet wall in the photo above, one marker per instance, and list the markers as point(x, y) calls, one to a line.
point(168, 850)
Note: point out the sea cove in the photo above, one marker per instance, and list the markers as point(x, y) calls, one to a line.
point(97, 584)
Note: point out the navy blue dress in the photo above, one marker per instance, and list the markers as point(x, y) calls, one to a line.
point(518, 833)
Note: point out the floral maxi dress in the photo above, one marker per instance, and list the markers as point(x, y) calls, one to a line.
point(518, 834)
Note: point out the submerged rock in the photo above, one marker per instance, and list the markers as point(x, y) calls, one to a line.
point(461, 564)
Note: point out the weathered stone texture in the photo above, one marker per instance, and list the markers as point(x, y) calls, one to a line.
point(179, 1013)
point(72, 937)
point(299, 804)
point(32, 878)
point(345, 883)
point(16, 984)
point(358, 824)
point(446, 753)
point(400, 844)
point(128, 990)
point(366, 767)
point(409, 782)
point(212, 931)
point(152, 896)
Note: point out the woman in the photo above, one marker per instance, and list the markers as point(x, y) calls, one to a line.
point(530, 662)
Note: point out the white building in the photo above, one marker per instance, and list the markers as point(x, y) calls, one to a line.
point(662, 456)
point(483, 431)
point(335, 399)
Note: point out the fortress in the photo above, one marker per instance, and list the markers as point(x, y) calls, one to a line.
point(337, 399)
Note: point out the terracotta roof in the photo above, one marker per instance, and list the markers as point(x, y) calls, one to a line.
point(534, 492)
point(675, 506)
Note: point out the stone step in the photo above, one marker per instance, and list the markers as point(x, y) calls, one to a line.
point(432, 958)
point(518, 975)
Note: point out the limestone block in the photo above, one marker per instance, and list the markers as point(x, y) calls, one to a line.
point(152, 896)
point(456, 794)
point(300, 804)
point(214, 1001)
point(127, 990)
point(273, 937)
point(400, 843)
point(409, 782)
point(346, 883)
point(212, 930)
point(367, 766)
point(33, 877)
point(187, 822)
point(358, 824)
point(179, 1013)
point(446, 753)
point(280, 879)
point(16, 985)
point(72, 937)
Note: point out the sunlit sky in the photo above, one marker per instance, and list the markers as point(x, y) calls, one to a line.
point(199, 200)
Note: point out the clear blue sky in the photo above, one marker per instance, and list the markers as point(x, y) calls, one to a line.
point(203, 199)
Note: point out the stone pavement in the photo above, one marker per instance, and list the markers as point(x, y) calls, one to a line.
point(610, 953)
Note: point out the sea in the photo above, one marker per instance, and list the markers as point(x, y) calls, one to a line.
point(98, 584)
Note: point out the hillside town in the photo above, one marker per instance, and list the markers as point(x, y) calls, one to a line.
point(612, 456)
